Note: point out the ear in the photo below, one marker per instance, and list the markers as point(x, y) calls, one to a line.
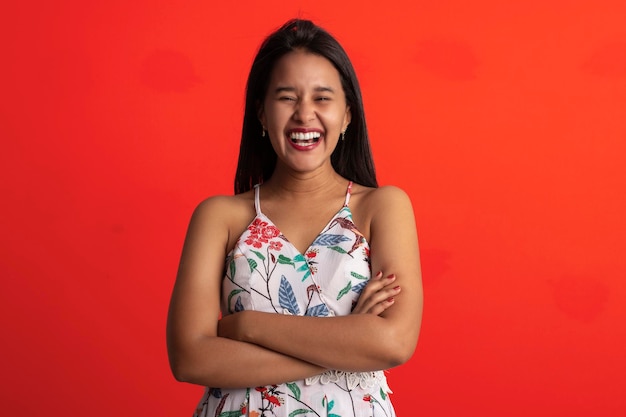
point(347, 118)
point(260, 113)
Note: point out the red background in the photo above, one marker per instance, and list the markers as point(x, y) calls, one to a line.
point(504, 121)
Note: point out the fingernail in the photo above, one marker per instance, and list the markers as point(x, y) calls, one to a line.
point(390, 299)
point(392, 276)
point(396, 288)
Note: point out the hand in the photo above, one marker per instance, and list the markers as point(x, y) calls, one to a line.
point(377, 296)
point(230, 326)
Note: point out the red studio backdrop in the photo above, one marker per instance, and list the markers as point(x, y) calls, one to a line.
point(504, 121)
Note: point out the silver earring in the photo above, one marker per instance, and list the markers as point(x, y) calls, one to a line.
point(263, 133)
point(343, 135)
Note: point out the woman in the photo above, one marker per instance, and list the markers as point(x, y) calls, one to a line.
point(306, 328)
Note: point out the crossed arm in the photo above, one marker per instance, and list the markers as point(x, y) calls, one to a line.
point(380, 333)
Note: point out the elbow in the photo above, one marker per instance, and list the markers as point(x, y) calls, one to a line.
point(187, 368)
point(398, 349)
point(190, 374)
point(180, 377)
point(180, 371)
point(398, 357)
point(181, 356)
point(177, 362)
point(403, 356)
point(183, 366)
point(188, 363)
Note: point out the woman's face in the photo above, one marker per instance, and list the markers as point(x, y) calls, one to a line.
point(304, 111)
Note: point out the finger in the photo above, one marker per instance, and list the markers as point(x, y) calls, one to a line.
point(375, 285)
point(379, 308)
point(368, 297)
point(381, 296)
point(368, 302)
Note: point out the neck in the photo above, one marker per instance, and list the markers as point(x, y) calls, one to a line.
point(297, 184)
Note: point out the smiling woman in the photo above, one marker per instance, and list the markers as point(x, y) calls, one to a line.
point(305, 111)
point(321, 288)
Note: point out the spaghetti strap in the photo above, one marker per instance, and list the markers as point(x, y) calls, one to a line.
point(348, 194)
point(257, 200)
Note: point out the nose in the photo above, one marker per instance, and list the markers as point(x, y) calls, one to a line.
point(304, 111)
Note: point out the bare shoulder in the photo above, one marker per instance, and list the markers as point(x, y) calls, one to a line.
point(226, 207)
point(382, 199)
point(225, 216)
point(388, 194)
point(372, 206)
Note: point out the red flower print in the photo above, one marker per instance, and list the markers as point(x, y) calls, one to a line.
point(244, 409)
point(367, 398)
point(253, 242)
point(257, 226)
point(260, 233)
point(275, 245)
point(261, 389)
point(272, 399)
point(270, 232)
point(310, 255)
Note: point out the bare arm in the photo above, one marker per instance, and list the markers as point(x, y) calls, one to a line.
point(196, 353)
point(358, 342)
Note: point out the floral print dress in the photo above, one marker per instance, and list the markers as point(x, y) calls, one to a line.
point(265, 272)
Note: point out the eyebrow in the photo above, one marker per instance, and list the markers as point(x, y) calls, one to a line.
point(319, 89)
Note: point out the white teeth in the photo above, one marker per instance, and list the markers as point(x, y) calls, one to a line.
point(305, 136)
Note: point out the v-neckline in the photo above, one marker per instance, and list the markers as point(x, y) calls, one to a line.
point(286, 239)
point(259, 213)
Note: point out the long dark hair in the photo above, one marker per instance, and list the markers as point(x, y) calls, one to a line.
point(352, 158)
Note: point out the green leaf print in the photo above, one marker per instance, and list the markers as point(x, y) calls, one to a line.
point(299, 258)
point(252, 264)
point(337, 249)
point(308, 274)
point(259, 254)
point(282, 259)
point(295, 389)
point(357, 276)
point(236, 413)
point(383, 394)
point(331, 404)
point(230, 297)
point(233, 269)
point(298, 411)
point(303, 268)
point(344, 290)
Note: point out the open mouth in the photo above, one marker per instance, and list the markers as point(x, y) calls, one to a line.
point(304, 138)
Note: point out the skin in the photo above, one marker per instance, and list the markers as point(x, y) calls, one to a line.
point(303, 193)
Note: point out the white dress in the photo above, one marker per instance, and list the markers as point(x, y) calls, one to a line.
point(265, 272)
